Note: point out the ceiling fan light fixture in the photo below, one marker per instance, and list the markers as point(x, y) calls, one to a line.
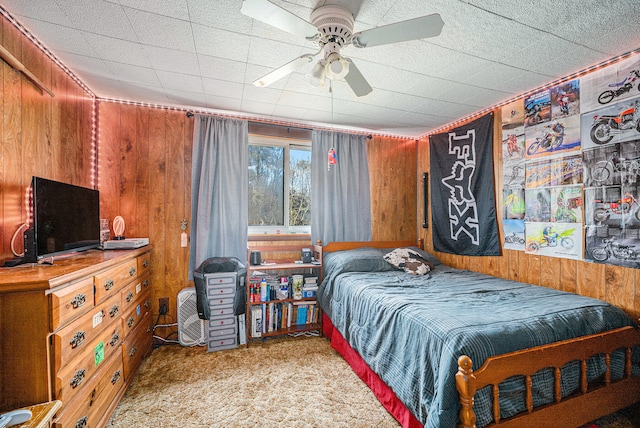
point(337, 67)
point(318, 73)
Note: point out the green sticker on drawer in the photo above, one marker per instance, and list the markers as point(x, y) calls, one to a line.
point(98, 352)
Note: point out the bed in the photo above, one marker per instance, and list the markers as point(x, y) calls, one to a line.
point(454, 347)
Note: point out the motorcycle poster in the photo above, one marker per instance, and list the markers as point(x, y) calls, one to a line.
point(616, 207)
point(617, 123)
point(558, 171)
point(554, 239)
point(613, 164)
point(557, 136)
point(537, 108)
point(610, 84)
point(513, 206)
point(513, 235)
point(566, 204)
point(621, 249)
point(565, 100)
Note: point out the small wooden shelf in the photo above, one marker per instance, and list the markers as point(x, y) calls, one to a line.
point(285, 266)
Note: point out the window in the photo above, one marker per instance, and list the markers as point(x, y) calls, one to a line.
point(279, 185)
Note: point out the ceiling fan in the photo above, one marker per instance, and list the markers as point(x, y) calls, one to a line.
point(331, 28)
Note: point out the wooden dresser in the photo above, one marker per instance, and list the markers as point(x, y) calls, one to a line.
point(75, 331)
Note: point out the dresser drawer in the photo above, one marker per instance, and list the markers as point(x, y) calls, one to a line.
point(222, 290)
point(71, 379)
point(131, 292)
point(112, 280)
point(132, 317)
point(219, 344)
point(137, 346)
point(88, 331)
point(220, 301)
point(70, 302)
point(144, 263)
point(88, 408)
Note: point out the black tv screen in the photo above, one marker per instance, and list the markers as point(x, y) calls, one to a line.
point(66, 218)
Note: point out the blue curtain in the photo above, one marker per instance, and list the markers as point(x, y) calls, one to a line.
point(340, 193)
point(219, 181)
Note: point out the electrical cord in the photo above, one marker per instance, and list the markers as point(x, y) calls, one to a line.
point(13, 238)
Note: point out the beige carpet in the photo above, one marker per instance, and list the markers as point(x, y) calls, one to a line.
point(299, 382)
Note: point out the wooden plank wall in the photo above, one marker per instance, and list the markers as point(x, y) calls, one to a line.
point(613, 284)
point(41, 135)
point(145, 177)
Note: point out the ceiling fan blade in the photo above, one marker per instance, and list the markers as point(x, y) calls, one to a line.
point(412, 29)
point(283, 71)
point(356, 80)
point(274, 15)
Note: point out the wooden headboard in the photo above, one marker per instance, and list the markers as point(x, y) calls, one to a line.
point(339, 246)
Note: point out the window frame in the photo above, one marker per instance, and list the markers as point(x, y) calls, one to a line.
point(287, 144)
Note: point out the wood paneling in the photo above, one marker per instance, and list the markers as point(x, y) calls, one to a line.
point(40, 135)
point(145, 176)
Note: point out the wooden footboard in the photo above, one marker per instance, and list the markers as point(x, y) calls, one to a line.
point(589, 403)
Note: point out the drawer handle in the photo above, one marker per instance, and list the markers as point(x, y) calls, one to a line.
point(145, 283)
point(77, 339)
point(147, 303)
point(108, 284)
point(116, 377)
point(114, 340)
point(79, 300)
point(82, 422)
point(114, 311)
point(133, 351)
point(132, 271)
point(131, 321)
point(129, 296)
point(78, 378)
point(145, 263)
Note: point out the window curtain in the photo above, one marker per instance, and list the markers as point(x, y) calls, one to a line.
point(219, 182)
point(340, 193)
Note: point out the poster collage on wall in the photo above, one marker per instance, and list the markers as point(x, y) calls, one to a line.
point(571, 168)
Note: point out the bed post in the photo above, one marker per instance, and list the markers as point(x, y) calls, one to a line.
point(466, 386)
point(421, 243)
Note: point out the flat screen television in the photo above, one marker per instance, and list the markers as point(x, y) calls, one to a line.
point(65, 219)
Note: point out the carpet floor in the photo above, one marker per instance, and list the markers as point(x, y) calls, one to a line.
point(298, 382)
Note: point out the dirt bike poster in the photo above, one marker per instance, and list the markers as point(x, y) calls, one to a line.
point(565, 100)
point(616, 123)
point(610, 84)
point(513, 235)
point(554, 239)
point(558, 136)
point(537, 108)
point(513, 206)
point(612, 164)
point(612, 218)
point(557, 171)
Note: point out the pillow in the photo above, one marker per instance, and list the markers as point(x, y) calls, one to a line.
point(408, 260)
point(364, 259)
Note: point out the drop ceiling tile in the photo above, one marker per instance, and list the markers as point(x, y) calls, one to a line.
point(220, 43)
point(134, 74)
point(171, 59)
point(257, 107)
point(83, 65)
point(58, 38)
point(184, 82)
point(98, 16)
point(223, 103)
point(289, 112)
point(145, 94)
point(222, 69)
point(273, 54)
point(186, 98)
point(162, 31)
point(117, 50)
point(265, 95)
point(222, 88)
point(221, 15)
point(41, 11)
point(172, 8)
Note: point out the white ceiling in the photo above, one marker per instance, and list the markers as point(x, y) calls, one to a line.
point(204, 55)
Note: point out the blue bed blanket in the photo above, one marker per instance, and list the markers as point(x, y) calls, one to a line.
point(411, 329)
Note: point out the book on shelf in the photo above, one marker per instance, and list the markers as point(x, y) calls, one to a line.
point(256, 321)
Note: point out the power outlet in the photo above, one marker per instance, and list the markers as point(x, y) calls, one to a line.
point(163, 305)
